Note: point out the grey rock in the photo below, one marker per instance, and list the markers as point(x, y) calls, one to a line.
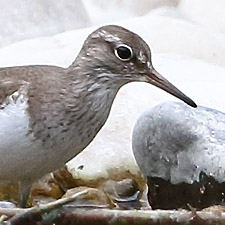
point(177, 143)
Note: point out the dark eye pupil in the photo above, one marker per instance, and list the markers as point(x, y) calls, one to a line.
point(124, 52)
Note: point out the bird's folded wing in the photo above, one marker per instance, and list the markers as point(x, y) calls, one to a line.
point(7, 88)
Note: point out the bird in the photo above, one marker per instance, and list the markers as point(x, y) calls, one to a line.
point(49, 114)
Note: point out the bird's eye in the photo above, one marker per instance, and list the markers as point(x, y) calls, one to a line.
point(124, 52)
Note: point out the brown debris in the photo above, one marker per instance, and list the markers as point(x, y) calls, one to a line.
point(93, 199)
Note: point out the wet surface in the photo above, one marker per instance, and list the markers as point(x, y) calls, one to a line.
point(165, 195)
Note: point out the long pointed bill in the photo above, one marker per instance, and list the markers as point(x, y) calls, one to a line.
point(159, 81)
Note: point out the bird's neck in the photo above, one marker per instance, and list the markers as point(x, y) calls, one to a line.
point(93, 77)
point(95, 87)
point(91, 98)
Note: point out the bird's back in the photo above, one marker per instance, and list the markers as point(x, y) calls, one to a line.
point(23, 90)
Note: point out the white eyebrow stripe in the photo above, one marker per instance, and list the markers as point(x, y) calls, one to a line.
point(107, 36)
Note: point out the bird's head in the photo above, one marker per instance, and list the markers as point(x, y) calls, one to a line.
point(118, 56)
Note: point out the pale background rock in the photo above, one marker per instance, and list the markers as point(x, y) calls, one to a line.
point(205, 12)
point(24, 19)
point(187, 49)
point(101, 11)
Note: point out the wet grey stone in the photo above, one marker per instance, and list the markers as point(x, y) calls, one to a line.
point(183, 150)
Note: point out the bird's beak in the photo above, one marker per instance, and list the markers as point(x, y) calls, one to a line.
point(159, 81)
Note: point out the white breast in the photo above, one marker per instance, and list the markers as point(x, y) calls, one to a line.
point(18, 150)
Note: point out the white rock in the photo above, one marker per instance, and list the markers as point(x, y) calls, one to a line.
point(208, 13)
point(109, 11)
point(23, 19)
point(166, 30)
